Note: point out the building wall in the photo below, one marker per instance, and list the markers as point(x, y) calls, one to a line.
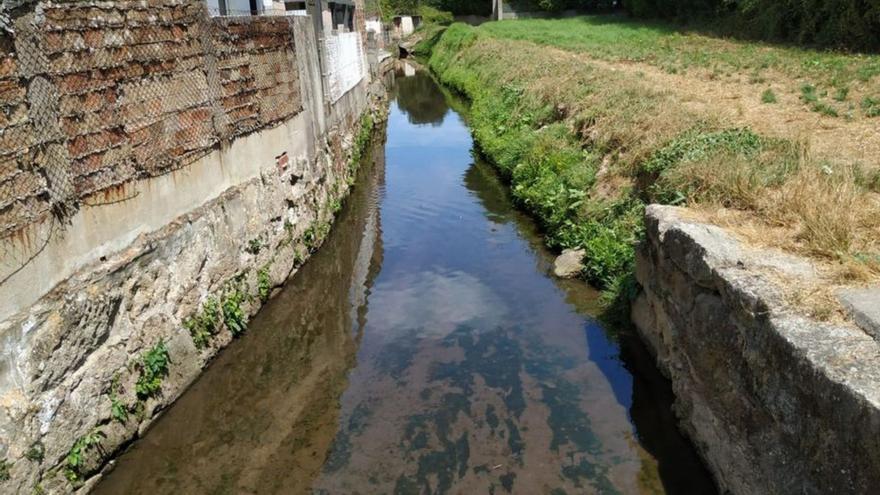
point(109, 97)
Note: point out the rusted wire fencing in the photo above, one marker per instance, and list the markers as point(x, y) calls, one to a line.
point(97, 95)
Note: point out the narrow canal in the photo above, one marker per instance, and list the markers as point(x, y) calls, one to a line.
point(423, 349)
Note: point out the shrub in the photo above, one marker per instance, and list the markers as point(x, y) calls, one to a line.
point(853, 24)
point(431, 15)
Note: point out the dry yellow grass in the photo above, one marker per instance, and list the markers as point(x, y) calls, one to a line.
point(792, 179)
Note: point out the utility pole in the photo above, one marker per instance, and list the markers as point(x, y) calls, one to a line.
point(497, 10)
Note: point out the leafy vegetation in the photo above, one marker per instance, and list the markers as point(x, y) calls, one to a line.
point(362, 139)
point(204, 325)
point(254, 246)
point(75, 460)
point(153, 369)
point(264, 284)
point(118, 411)
point(585, 149)
point(233, 315)
point(871, 106)
point(35, 452)
point(428, 8)
point(433, 15)
point(4, 469)
point(313, 235)
point(840, 23)
point(768, 96)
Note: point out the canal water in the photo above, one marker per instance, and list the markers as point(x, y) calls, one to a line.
point(424, 349)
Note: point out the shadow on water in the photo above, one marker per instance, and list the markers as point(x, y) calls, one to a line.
point(471, 370)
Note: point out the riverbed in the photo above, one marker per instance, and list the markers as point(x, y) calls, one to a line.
point(425, 348)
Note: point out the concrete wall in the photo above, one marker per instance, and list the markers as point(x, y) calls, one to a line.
point(774, 401)
point(346, 63)
point(124, 278)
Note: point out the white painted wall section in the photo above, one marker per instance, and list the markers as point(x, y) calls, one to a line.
point(346, 63)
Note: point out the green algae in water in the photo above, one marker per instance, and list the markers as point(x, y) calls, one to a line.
point(340, 455)
point(491, 417)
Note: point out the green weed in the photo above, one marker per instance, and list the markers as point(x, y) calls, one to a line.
point(871, 106)
point(264, 284)
point(118, 411)
point(4, 470)
point(825, 109)
point(254, 246)
point(153, 369)
point(204, 325)
point(35, 452)
point(75, 459)
point(361, 140)
point(313, 235)
point(233, 314)
point(768, 96)
point(298, 258)
point(585, 149)
point(809, 94)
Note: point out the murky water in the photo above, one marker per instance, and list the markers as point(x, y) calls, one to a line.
point(423, 349)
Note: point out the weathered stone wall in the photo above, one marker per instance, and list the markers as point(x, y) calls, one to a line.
point(225, 189)
point(774, 401)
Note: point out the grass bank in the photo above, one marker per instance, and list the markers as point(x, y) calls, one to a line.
point(586, 148)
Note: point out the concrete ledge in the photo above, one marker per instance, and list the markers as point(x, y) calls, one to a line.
point(774, 401)
point(863, 306)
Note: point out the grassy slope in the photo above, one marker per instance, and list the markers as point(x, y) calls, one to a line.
point(618, 38)
point(586, 149)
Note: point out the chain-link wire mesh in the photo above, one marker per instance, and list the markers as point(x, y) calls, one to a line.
point(96, 95)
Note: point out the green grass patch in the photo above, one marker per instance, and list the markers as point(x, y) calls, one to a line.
point(871, 106)
point(768, 96)
point(549, 169)
point(584, 149)
point(619, 38)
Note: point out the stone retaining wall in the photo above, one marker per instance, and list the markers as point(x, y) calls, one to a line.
point(775, 402)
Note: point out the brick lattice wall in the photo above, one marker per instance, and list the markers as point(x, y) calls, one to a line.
point(95, 94)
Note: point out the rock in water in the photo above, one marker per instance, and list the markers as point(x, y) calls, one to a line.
point(569, 264)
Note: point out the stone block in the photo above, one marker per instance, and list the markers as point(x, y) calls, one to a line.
point(863, 305)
